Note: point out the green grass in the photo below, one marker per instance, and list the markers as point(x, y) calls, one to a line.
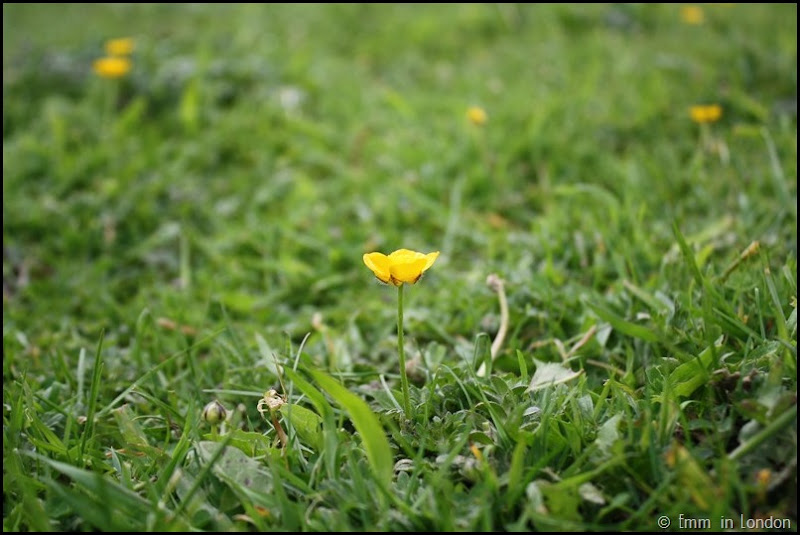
point(175, 236)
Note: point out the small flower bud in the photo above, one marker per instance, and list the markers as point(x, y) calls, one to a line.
point(214, 412)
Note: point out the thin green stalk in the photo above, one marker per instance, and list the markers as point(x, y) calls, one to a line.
point(769, 431)
point(402, 352)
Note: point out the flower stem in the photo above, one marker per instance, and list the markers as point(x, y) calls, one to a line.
point(402, 352)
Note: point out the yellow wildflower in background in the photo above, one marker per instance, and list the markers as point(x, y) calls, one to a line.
point(401, 266)
point(692, 15)
point(705, 114)
point(119, 47)
point(477, 116)
point(112, 67)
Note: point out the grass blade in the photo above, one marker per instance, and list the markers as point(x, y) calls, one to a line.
point(372, 434)
point(622, 325)
point(94, 389)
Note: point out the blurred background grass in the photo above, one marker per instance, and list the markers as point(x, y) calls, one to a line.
point(233, 179)
point(251, 134)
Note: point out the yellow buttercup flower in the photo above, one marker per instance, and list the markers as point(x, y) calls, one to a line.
point(705, 114)
point(477, 116)
point(692, 15)
point(401, 266)
point(112, 67)
point(119, 47)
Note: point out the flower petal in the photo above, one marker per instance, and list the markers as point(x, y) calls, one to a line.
point(408, 271)
point(379, 264)
point(404, 255)
point(430, 258)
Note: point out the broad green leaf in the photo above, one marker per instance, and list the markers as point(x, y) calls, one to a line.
point(306, 422)
point(551, 373)
point(252, 444)
point(607, 435)
point(562, 501)
point(132, 433)
point(235, 468)
point(372, 434)
point(690, 375)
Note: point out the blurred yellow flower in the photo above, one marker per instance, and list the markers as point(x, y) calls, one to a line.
point(477, 116)
point(119, 47)
point(692, 15)
point(112, 67)
point(401, 266)
point(705, 114)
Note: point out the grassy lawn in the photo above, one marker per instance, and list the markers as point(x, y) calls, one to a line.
point(193, 230)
